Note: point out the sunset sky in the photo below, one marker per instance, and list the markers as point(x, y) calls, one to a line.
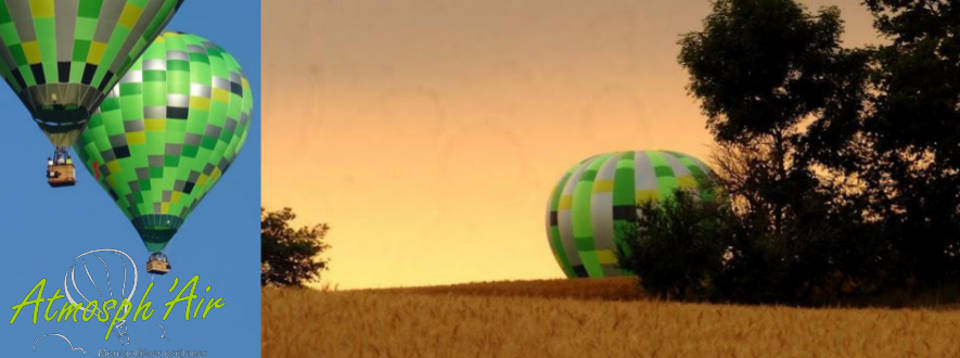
point(429, 133)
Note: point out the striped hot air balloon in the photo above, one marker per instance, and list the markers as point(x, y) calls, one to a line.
point(601, 193)
point(62, 57)
point(167, 132)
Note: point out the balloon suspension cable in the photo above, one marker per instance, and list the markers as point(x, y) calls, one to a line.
point(72, 347)
point(60, 152)
point(120, 328)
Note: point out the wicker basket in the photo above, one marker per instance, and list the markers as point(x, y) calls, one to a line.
point(156, 266)
point(63, 175)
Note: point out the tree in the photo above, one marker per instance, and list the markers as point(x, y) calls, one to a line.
point(677, 247)
point(760, 69)
point(843, 164)
point(785, 102)
point(914, 130)
point(290, 257)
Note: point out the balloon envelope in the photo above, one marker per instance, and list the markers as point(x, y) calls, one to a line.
point(600, 194)
point(167, 132)
point(61, 57)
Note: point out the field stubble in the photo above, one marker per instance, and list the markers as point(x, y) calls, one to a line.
point(539, 319)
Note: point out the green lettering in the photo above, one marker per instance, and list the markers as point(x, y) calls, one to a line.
point(26, 301)
point(192, 284)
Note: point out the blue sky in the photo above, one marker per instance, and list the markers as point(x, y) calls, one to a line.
point(44, 228)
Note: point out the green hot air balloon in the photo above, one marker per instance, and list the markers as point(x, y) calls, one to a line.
point(603, 192)
point(61, 57)
point(167, 132)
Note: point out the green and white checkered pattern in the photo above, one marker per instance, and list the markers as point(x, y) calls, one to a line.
point(61, 57)
point(603, 192)
point(168, 131)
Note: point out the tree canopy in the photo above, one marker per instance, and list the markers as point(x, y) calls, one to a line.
point(290, 257)
point(843, 164)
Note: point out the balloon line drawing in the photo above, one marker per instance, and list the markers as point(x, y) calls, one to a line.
point(72, 348)
point(107, 271)
point(92, 282)
point(120, 328)
point(163, 334)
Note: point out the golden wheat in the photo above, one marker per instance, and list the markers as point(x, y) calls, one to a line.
point(611, 289)
point(445, 322)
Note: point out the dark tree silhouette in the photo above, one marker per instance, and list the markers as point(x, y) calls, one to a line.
point(677, 247)
point(290, 257)
point(914, 173)
point(761, 69)
point(779, 91)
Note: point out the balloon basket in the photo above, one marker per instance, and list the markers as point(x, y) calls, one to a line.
point(157, 264)
point(60, 175)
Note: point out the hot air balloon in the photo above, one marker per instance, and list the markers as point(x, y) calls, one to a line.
point(61, 57)
point(166, 134)
point(602, 193)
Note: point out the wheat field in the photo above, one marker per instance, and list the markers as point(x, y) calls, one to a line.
point(557, 319)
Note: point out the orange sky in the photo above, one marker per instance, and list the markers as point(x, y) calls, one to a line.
point(429, 133)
